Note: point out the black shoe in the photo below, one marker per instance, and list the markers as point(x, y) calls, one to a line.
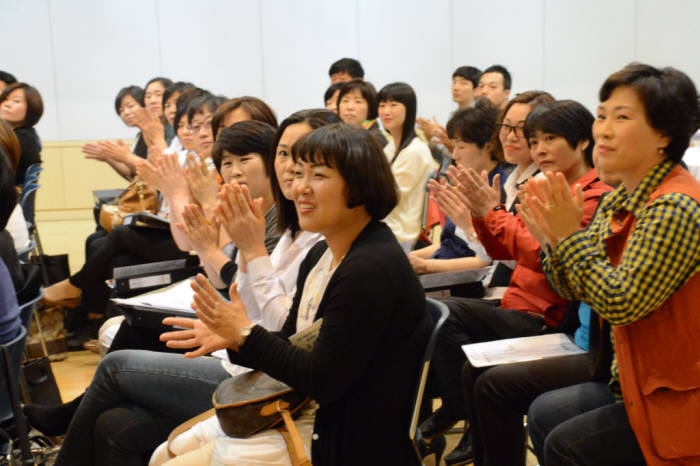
point(435, 447)
point(52, 420)
point(436, 425)
point(464, 453)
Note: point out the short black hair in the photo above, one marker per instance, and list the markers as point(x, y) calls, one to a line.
point(360, 160)
point(369, 93)
point(566, 118)
point(469, 73)
point(475, 124)
point(242, 138)
point(404, 94)
point(507, 82)
point(164, 81)
point(315, 118)
point(330, 91)
point(176, 87)
point(349, 65)
point(670, 101)
point(199, 104)
point(134, 91)
point(35, 105)
point(256, 108)
point(7, 78)
point(182, 104)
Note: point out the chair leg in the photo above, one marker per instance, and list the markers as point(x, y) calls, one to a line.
point(16, 409)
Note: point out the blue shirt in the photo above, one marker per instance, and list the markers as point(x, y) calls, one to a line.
point(582, 333)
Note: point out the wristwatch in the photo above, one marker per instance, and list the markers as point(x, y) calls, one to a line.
point(245, 333)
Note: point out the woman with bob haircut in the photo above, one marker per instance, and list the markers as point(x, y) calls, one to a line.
point(360, 283)
point(409, 158)
point(241, 109)
point(357, 105)
point(21, 107)
point(636, 265)
point(496, 398)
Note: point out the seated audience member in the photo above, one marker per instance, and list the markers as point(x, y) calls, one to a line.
point(170, 96)
point(471, 131)
point(529, 306)
point(495, 84)
point(497, 398)
point(465, 82)
point(345, 69)
point(357, 105)
point(6, 79)
point(636, 265)
point(361, 279)
point(241, 109)
point(122, 159)
point(10, 321)
point(409, 158)
point(21, 107)
point(330, 97)
point(153, 102)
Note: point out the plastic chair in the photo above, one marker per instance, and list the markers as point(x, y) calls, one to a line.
point(438, 314)
point(26, 310)
point(10, 400)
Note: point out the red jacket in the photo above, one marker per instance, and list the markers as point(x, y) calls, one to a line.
point(505, 237)
point(658, 357)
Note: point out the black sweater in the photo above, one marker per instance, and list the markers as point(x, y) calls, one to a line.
point(363, 368)
point(29, 145)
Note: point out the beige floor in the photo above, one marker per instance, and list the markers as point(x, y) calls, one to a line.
point(74, 374)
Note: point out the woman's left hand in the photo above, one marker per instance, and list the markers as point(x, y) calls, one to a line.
point(226, 319)
point(203, 184)
point(202, 233)
point(195, 335)
point(243, 220)
point(554, 207)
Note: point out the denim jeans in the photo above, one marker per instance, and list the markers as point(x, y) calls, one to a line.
point(582, 425)
point(145, 390)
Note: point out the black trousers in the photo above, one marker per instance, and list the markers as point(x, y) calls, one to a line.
point(122, 246)
point(498, 397)
point(471, 321)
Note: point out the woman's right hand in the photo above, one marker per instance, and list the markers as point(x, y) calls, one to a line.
point(454, 204)
point(203, 184)
point(195, 335)
point(173, 180)
point(151, 128)
point(94, 152)
point(243, 220)
point(202, 234)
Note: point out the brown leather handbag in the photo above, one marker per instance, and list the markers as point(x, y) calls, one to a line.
point(253, 402)
point(137, 197)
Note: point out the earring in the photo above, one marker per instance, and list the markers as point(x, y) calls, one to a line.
point(661, 151)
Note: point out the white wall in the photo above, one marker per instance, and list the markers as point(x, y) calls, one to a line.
point(79, 53)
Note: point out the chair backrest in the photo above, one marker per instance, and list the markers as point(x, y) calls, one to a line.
point(27, 201)
point(26, 310)
point(32, 173)
point(14, 350)
point(438, 313)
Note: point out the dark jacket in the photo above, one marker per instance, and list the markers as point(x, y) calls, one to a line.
point(364, 366)
point(30, 148)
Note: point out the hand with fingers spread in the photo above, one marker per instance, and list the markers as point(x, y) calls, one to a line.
point(148, 173)
point(555, 209)
point(202, 234)
point(453, 203)
point(195, 335)
point(203, 184)
point(118, 151)
point(151, 129)
point(243, 220)
point(173, 180)
point(154, 155)
point(532, 220)
point(226, 319)
point(481, 196)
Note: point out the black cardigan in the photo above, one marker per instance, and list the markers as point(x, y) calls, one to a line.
point(29, 145)
point(363, 369)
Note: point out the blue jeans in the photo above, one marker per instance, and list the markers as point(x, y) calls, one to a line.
point(582, 425)
point(142, 390)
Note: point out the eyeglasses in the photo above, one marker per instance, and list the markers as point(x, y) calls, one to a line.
point(195, 128)
point(506, 129)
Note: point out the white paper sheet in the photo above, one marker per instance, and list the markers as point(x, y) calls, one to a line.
point(177, 297)
point(497, 352)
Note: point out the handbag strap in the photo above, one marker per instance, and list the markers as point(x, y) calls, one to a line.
point(291, 437)
point(185, 426)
